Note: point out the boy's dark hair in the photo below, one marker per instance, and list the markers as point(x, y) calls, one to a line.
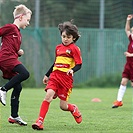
point(70, 29)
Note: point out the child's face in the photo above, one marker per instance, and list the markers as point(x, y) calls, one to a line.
point(66, 39)
point(25, 20)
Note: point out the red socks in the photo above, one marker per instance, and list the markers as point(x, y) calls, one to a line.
point(43, 110)
point(70, 108)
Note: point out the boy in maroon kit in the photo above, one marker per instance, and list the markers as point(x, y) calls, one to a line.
point(12, 68)
point(128, 68)
point(67, 61)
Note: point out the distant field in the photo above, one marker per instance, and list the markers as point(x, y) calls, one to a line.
point(98, 117)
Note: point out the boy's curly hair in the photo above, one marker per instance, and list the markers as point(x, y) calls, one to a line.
point(70, 29)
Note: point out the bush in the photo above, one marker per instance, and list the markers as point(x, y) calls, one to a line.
point(103, 81)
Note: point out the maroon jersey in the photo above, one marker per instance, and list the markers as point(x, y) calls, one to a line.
point(128, 68)
point(130, 49)
point(10, 45)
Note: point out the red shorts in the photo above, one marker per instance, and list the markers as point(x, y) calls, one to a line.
point(61, 83)
point(128, 71)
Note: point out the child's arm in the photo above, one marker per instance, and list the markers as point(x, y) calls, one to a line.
point(127, 54)
point(76, 68)
point(45, 79)
point(127, 26)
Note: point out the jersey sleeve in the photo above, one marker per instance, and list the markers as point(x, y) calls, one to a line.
point(77, 55)
point(130, 38)
point(4, 30)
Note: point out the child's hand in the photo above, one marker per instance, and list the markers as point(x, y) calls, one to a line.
point(45, 79)
point(127, 54)
point(129, 17)
point(21, 52)
point(70, 72)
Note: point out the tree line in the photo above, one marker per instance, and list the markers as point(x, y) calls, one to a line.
point(85, 13)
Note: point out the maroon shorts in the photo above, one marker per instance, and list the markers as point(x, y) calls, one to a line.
point(7, 66)
point(61, 83)
point(128, 71)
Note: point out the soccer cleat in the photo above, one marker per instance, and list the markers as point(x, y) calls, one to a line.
point(117, 104)
point(76, 114)
point(3, 97)
point(38, 125)
point(17, 120)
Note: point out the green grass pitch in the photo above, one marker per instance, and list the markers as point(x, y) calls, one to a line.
point(98, 117)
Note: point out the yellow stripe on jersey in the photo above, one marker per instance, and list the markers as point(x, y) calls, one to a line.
point(64, 60)
point(69, 92)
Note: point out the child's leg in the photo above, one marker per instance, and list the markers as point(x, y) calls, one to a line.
point(38, 125)
point(64, 105)
point(15, 100)
point(121, 92)
point(43, 110)
point(15, 118)
point(22, 75)
point(122, 89)
point(73, 109)
point(120, 95)
point(45, 104)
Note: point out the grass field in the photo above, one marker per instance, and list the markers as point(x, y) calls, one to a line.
point(98, 117)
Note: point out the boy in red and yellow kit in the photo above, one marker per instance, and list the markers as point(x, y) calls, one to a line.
point(68, 60)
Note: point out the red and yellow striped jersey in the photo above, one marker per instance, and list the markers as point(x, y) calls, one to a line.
point(67, 57)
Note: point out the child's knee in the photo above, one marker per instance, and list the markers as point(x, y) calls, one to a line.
point(48, 98)
point(62, 108)
point(124, 82)
point(25, 75)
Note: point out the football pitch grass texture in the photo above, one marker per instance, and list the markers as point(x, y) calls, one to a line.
point(98, 117)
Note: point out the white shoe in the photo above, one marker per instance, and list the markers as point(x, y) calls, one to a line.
point(3, 97)
point(17, 120)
